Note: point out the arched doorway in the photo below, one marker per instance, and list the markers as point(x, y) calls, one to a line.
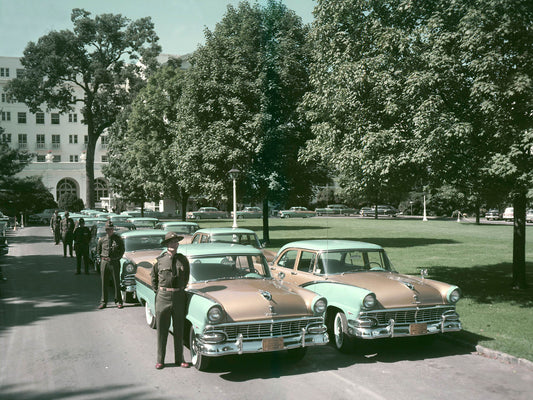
point(66, 186)
point(100, 189)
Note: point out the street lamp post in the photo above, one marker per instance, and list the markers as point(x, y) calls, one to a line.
point(234, 173)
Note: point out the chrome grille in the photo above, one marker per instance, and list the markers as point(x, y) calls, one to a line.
point(408, 316)
point(265, 329)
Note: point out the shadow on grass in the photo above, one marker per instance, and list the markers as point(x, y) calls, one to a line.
point(486, 284)
point(384, 242)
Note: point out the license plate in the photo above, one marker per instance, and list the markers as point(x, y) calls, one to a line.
point(418, 329)
point(273, 344)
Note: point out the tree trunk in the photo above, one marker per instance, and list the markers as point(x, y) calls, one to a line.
point(266, 233)
point(89, 165)
point(519, 241)
point(184, 198)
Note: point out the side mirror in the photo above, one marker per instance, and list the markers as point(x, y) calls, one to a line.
point(423, 273)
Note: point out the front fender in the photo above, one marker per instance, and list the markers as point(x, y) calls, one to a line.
point(197, 311)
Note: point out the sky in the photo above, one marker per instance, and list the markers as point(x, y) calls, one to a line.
point(179, 24)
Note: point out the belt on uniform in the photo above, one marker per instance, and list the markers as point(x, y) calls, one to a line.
point(169, 289)
point(106, 258)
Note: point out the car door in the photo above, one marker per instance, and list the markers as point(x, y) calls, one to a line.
point(297, 266)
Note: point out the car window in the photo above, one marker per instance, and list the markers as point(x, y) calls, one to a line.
point(229, 267)
point(288, 259)
point(143, 242)
point(307, 261)
point(341, 262)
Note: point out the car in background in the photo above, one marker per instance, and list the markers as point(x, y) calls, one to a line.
point(335, 209)
point(4, 247)
point(43, 218)
point(249, 212)
point(143, 222)
point(367, 298)
point(141, 246)
point(387, 211)
point(207, 213)
point(508, 214)
point(529, 215)
point(367, 212)
point(492, 215)
point(296, 212)
point(4, 222)
point(232, 235)
point(185, 229)
point(234, 306)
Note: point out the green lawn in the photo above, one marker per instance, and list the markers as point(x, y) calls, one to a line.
point(477, 258)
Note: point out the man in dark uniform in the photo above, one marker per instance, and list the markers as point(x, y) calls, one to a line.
point(110, 249)
point(67, 234)
point(82, 237)
point(55, 222)
point(170, 276)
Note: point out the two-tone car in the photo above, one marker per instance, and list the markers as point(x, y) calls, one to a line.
point(232, 235)
point(249, 212)
point(143, 222)
point(367, 298)
point(492, 215)
point(183, 228)
point(234, 306)
point(296, 212)
point(335, 209)
point(207, 213)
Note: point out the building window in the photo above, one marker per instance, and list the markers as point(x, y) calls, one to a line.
point(39, 118)
point(104, 142)
point(23, 141)
point(4, 98)
point(56, 141)
point(6, 115)
point(40, 141)
point(66, 186)
point(55, 118)
point(20, 72)
point(73, 139)
point(100, 189)
point(73, 118)
point(105, 158)
point(6, 137)
point(21, 117)
point(74, 158)
point(57, 159)
point(41, 158)
point(4, 72)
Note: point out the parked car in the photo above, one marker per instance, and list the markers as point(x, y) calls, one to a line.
point(388, 211)
point(43, 218)
point(249, 212)
point(185, 229)
point(367, 298)
point(4, 247)
point(508, 214)
point(529, 215)
point(207, 213)
point(296, 212)
point(143, 222)
point(236, 307)
point(492, 215)
point(367, 212)
point(4, 222)
point(142, 246)
point(232, 235)
point(335, 209)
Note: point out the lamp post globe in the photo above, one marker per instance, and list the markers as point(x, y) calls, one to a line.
point(234, 174)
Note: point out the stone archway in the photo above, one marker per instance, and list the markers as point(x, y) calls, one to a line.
point(66, 186)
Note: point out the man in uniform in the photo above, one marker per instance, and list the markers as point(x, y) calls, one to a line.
point(55, 221)
point(82, 238)
point(110, 250)
point(67, 234)
point(170, 276)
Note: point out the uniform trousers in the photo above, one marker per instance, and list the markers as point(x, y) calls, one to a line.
point(170, 306)
point(82, 252)
point(67, 242)
point(57, 234)
point(110, 269)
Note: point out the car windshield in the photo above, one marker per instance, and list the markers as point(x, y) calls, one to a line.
point(214, 268)
point(249, 239)
point(144, 224)
point(182, 229)
point(342, 262)
point(133, 243)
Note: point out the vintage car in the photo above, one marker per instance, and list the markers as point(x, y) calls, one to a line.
point(232, 235)
point(4, 222)
point(296, 212)
point(387, 211)
point(42, 218)
point(367, 212)
point(249, 212)
point(529, 215)
point(508, 214)
point(185, 229)
point(335, 209)
point(492, 215)
point(143, 222)
point(4, 247)
point(367, 299)
point(234, 306)
point(207, 213)
point(141, 246)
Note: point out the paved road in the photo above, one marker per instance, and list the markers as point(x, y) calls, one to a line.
point(55, 344)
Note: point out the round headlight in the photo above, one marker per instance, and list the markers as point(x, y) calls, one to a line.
point(215, 314)
point(320, 306)
point(369, 301)
point(130, 268)
point(454, 296)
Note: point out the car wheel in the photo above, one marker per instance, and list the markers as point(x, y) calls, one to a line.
point(297, 354)
point(150, 318)
point(199, 361)
point(338, 333)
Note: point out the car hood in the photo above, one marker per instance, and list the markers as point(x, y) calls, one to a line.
point(396, 290)
point(139, 256)
point(255, 299)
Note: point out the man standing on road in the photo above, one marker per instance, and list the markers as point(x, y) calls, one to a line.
point(55, 222)
point(170, 276)
point(82, 238)
point(110, 250)
point(67, 234)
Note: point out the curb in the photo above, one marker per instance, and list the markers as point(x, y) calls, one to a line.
point(489, 353)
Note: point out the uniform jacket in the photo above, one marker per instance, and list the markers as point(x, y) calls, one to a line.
point(82, 236)
point(67, 227)
point(164, 274)
point(110, 246)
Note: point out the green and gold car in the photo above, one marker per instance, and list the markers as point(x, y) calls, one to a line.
point(234, 306)
point(366, 297)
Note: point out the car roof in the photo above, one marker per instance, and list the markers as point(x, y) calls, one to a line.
point(143, 232)
point(175, 223)
point(217, 249)
point(211, 231)
point(142, 219)
point(332, 245)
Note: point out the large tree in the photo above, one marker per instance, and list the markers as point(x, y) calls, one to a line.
point(106, 57)
point(247, 82)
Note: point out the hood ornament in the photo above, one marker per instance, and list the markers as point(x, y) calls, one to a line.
point(409, 285)
point(266, 295)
